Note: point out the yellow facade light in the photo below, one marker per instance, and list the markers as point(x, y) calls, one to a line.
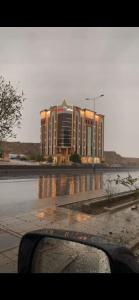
point(97, 118)
point(82, 113)
point(45, 114)
point(89, 114)
point(48, 113)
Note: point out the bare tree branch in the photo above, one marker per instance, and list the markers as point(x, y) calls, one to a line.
point(11, 104)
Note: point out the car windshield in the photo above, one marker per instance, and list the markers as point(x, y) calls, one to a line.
point(74, 164)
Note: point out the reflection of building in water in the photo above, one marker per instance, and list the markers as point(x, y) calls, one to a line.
point(53, 194)
point(88, 182)
point(40, 188)
point(64, 185)
point(82, 183)
point(62, 181)
point(85, 183)
point(91, 182)
point(80, 217)
point(43, 184)
point(61, 185)
point(98, 182)
point(76, 184)
point(47, 187)
point(71, 185)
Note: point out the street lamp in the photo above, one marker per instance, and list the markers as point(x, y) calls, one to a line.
point(94, 99)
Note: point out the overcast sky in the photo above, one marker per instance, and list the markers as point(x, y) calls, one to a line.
point(51, 64)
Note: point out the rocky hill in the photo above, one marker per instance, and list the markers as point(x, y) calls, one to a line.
point(111, 157)
point(21, 148)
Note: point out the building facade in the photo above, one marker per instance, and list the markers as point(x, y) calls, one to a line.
point(67, 129)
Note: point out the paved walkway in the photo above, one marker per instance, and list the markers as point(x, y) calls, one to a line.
point(121, 227)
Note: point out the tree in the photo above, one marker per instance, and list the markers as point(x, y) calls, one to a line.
point(50, 159)
point(129, 182)
point(11, 104)
point(39, 157)
point(36, 157)
point(75, 157)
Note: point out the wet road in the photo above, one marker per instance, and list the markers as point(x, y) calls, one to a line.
point(26, 194)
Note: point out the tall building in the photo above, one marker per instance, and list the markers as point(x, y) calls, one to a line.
point(67, 129)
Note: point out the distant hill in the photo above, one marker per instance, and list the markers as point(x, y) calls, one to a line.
point(111, 157)
point(21, 148)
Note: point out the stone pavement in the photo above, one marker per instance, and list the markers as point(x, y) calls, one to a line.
point(14, 226)
point(9, 244)
point(121, 227)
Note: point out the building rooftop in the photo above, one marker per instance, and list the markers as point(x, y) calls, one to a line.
point(65, 104)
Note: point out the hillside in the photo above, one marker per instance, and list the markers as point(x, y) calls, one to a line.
point(21, 148)
point(111, 157)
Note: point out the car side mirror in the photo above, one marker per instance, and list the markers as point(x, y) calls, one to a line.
point(53, 255)
point(61, 251)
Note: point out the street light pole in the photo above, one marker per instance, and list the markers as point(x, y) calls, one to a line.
point(94, 99)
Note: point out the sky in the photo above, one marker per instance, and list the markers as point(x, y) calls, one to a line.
point(54, 63)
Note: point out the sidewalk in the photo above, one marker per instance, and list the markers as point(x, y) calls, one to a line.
point(9, 245)
point(121, 227)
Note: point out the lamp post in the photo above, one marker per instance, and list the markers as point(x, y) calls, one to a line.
point(94, 99)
